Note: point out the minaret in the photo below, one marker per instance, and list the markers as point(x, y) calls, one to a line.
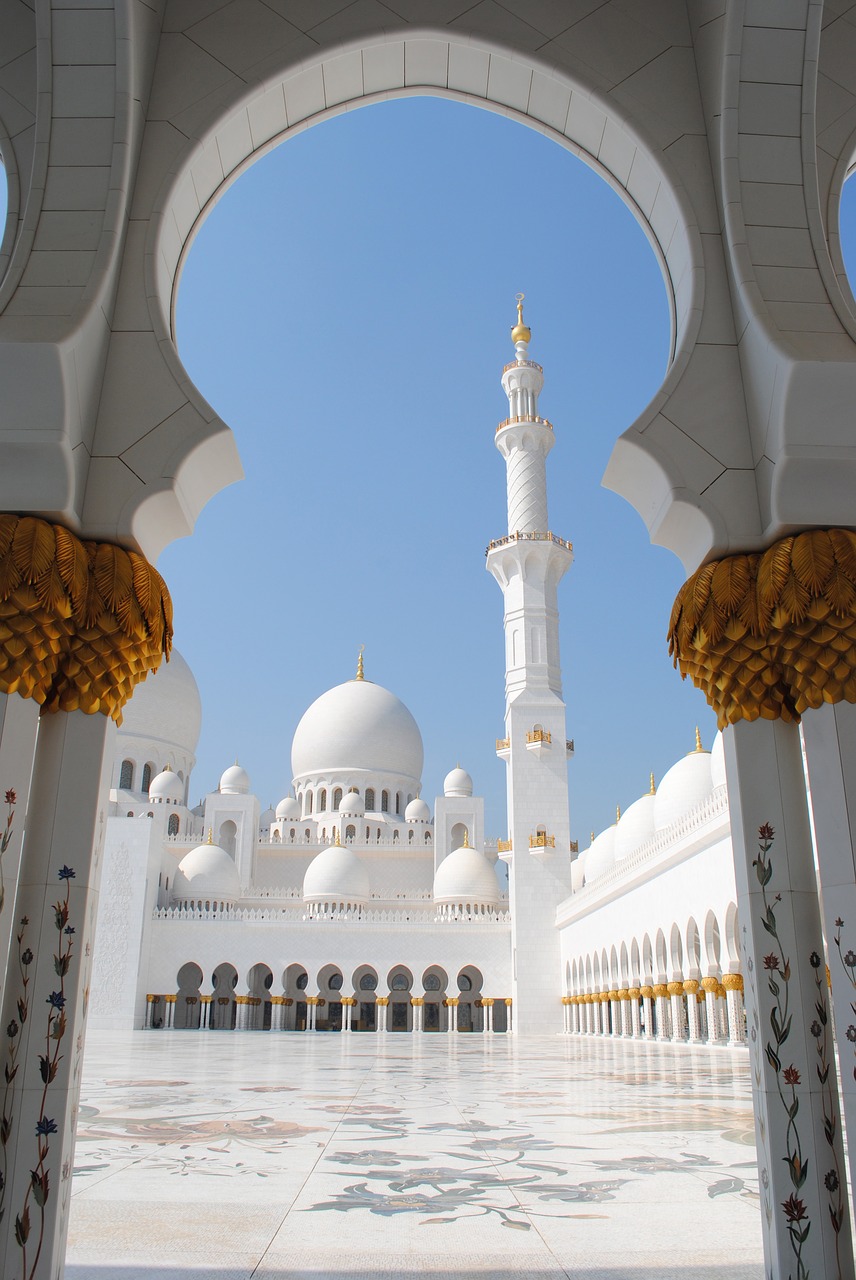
point(528, 564)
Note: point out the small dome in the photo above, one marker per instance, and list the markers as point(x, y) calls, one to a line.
point(636, 826)
point(288, 808)
point(458, 783)
point(600, 858)
point(167, 786)
point(166, 707)
point(266, 818)
point(686, 785)
point(717, 761)
point(417, 811)
point(352, 804)
point(235, 781)
point(206, 872)
point(466, 876)
point(336, 875)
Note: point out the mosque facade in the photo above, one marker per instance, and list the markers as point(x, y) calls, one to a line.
point(355, 906)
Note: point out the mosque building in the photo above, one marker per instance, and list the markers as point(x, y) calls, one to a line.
point(356, 906)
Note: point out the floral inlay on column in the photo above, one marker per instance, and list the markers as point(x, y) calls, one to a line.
point(819, 1029)
point(848, 963)
point(778, 968)
point(6, 839)
point(10, 1067)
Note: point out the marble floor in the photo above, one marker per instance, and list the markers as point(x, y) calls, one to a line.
point(258, 1155)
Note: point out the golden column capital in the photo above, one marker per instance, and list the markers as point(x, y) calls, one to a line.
point(732, 981)
point(771, 634)
point(691, 986)
point(417, 1001)
point(710, 985)
point(660, 989)
point(382, 1000)
point(487, 1001)
point(675, 988)
point(633, 993)
point(508, 1002)
point(647, 993)
point(81, 622)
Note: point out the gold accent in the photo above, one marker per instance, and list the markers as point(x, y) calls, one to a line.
point(647, 993)
point(487, 1001)
point(152, 999)
point(509, 1002)
point(205, 999)
point(520, 332)
point(575, 846)
point(502, 744)
point(466, 843)
point(675, 988)
point(660, 989)
point(503, 846)
point(617, 814)
point(691, 986)
point(336, 844)
point(710, 985)
point(517, 536)
point(534, 418)
point(81, 623)
point(210, 839)
point(277, 999)
point(771, 634)
point(451, 1002)
point(169, 999)
point(539, 735)
point(382, 1000)
point(417, 1001)
point(732, 981)
point(652, 790)
point(361, 675)
point(633, 993)
point(542, 841)
point(624, 994)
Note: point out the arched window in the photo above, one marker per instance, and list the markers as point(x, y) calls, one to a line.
point(370, 799)
point(395, 834)
point(322, 801)
point(126, 776)
point(410, 836)
point(384, 802)
point(172, 825)
point(130, 813)
point(350, 832)
point(308, 801)
point(307, 833)
point(337, 797)
point(291, 834)
point(368, 832)
point(398, 802)
point(146, 780)
point(427, 837)
point(181, 774)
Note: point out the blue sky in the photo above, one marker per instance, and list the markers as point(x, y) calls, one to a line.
point(346, 307)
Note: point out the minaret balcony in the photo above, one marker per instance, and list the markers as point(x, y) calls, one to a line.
point(569, 747)
point(528, 418)
point(533, 536)
point(503, 850)
point(540, 843)
point(503, 746)
point(521, 364)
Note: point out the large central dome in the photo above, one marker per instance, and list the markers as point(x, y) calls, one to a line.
point(357, 726)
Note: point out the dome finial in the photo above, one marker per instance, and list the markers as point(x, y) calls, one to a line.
point(698, 746)
point(653, 790)
point(520, 332)
point(337, 842)
point(210, 835)
point(361, 675)
point(618, 813)
point(466, 838)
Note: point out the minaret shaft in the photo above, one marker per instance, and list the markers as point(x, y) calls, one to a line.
point(528, 564)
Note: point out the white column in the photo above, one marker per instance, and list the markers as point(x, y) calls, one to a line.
point(488, 1016)
point(347, 1010)
point(664, 1021)
point(691, 987)
point(509, 1007)
point(634, 1013)
point(830, 742)
point(19, 723)
point(417, 1012)
point(733, 983)
point(243, 1011)
point(710, 986)
point(169, 1020)
point(54, 911)
point(805, 1220)
point(648, 1008)
point(205, 1013)
point(615, 1010)
point(382, 1005)
point(453, 1013)
point(149, 1007)
point(677, 1009)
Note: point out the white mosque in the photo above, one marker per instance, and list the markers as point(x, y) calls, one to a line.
point(355, 906)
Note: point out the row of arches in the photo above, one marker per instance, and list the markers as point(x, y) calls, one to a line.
point(292, 835)
point(315, 800)
point(128, 774)
point(331, 1000)
point(685, 988)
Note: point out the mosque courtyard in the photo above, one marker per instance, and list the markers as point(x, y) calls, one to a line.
point(312, 1155)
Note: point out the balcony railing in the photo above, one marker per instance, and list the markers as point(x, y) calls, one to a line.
point(530, 537)
point(542, 841)
point(502, 744)
point(538, 735)
point(503, 846)
point(521, 364)
point(532, 418)
point(569, 746)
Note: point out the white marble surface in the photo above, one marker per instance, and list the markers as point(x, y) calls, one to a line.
point(234, 1155)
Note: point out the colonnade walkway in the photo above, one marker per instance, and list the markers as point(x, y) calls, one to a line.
point(365, 1156)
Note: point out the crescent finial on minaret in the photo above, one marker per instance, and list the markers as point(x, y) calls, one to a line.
point(520, 332)
point(361, 675)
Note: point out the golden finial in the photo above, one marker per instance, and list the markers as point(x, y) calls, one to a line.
point(591, 838)
point(167, 768)
point(336, 841)
point(618, 813)
point(210, 835)
point(653, 790)
point(520, 332)
point(466, 839)
point(698, 746)
point(361, 675)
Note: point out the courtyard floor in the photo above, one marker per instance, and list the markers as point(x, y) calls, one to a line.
point(270, 1156)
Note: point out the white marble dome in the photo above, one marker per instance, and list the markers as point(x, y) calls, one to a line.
point(353, 805)
point(167, 787)
point(717, 761)
point(266, 818)
point(287, 808)
point(336, 875)
point(166, 707)
point(357, 726)
point(206, 872)
point(636, 826)
point(686, 785)
point(600, 858)
point(235, 781)
point(466, 876)
point(417, 811)
point(457, 783)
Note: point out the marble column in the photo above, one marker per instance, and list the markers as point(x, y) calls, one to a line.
point(417, 1004)
point(677, 1009)
point(19, 723)
point(169, 1021)
point(488, 1015)
point(805, 1219)
point(634, 1012)
point(648, 1010)
point(452, 1004)
point(664, 1028)
point(830, 743)
point(150, 1006)
point(54, 912)
point(691, 986)
point(626, 1018)
point(710, 986)
point(382, 1006)
point(204, 1013)
point(311, 1015)
point(615, 1013)
point(733, 984)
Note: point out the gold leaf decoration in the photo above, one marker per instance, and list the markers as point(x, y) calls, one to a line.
point(771, 635)
point(81, 623)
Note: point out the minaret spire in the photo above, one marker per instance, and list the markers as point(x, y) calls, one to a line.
point(528, 564)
